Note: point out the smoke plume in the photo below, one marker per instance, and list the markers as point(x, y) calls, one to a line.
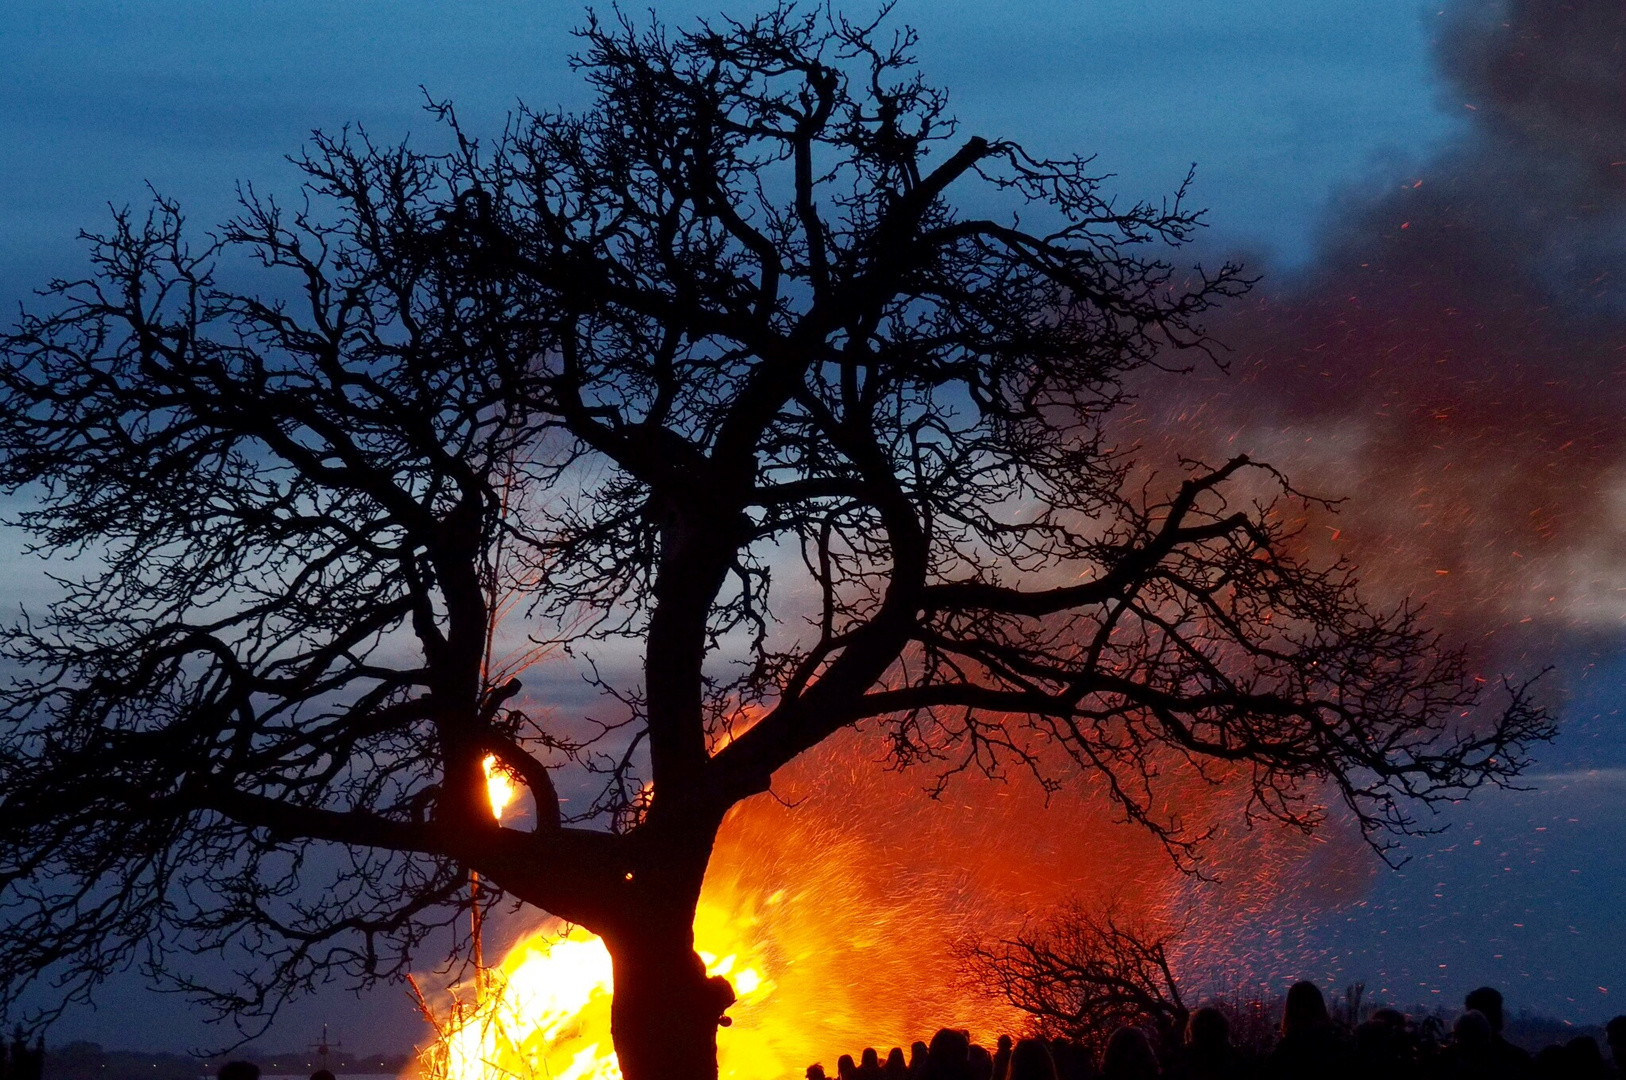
point(1452, 361)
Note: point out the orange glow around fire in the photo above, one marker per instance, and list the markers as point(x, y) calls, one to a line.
point(835, 915)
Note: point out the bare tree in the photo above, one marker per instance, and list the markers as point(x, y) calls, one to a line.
point(715, 368)
point(1081, 974)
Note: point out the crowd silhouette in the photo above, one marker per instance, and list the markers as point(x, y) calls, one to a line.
point(1310, 1044)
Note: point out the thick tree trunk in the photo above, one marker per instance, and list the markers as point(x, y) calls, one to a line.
point(639, 893)
point(666, 1010)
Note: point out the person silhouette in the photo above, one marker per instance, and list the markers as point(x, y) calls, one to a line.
point(1129, 1056)
point(869, 1064)
point(1209, 1054)
point(1583, 1060)
point(815, 1071)
point(1073, 1060)
point(1031, 1060)
point(1384, 1047)
point(1551, 1063)
point(1472, 1053)
point(896, 1068)
point(1311, 1044)
point(1614, 1033)
point(981, 1063)
point(1002, 1057)
point(846, 1068)
point(949, 1056)
point(918, 1056)
point(1509, 1060)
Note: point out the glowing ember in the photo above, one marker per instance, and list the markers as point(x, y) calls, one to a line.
point(499, 785)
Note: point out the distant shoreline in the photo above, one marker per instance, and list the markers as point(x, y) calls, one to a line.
point(90, 1061)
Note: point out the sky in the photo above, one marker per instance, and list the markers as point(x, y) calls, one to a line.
point(1424, 199)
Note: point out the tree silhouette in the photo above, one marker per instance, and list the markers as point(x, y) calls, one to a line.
point(1082, 973)
point(716, 368)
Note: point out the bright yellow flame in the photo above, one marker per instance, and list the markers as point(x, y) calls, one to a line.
point(545, 1013)
point(499, 785)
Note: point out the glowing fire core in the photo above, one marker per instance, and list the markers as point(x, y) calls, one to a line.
point(545, 1012)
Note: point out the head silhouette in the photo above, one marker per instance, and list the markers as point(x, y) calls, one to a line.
point(1002, 1057)
point(1583, 1060)
point(1488, 1001)
point(981, 1063)
point(949, 1056)
point(239, 1070)
point(1551, 1062)
point(1306, 1009)
point(1063, 1053)
point(846, 1068)
point(1472, 1031)
point(1379, 1043)
point(1129, 1056)
point(1031, 1060)
point(322, 1074)
point(1208, 1030)
point(815, 1072)
point(896, 1067)
point(1615, 1033)
point(1393, 1018)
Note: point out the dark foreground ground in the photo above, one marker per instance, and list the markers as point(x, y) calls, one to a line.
point(90, 1061)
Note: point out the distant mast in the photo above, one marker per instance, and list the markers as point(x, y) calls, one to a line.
point(323, 1047)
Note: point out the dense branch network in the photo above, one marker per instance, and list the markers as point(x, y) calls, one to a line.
point(719, 368)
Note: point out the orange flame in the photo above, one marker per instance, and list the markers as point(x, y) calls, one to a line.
point(499, 785)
